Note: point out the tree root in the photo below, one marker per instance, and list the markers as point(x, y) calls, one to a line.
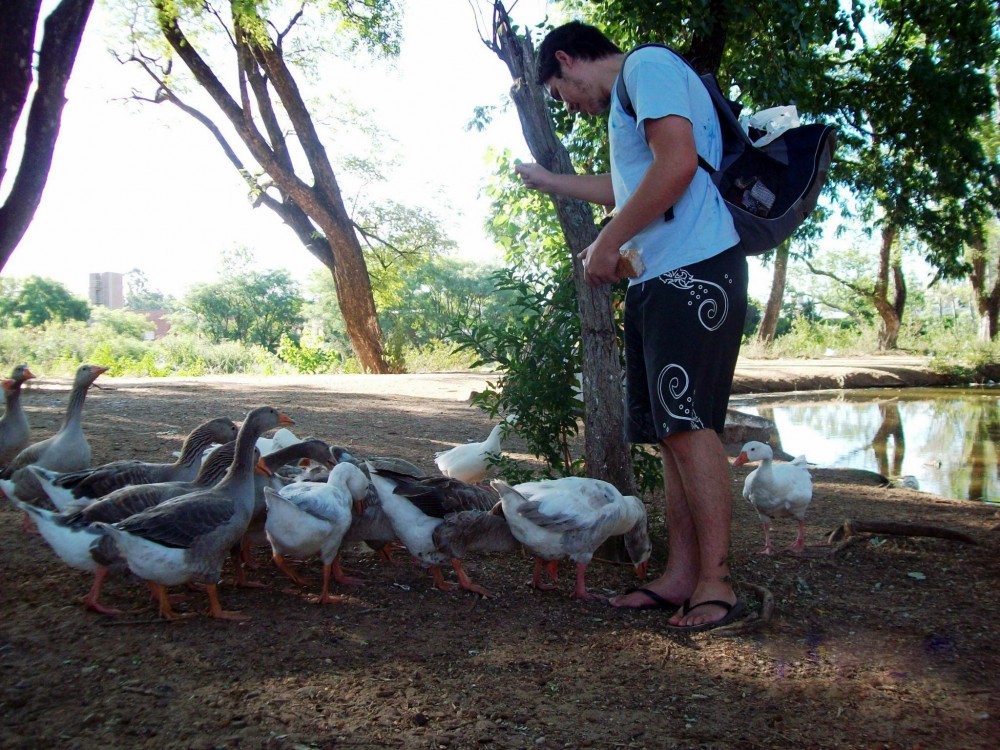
point(849, 532)
point(756, 621)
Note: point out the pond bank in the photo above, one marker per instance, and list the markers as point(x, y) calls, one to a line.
point(873, 371)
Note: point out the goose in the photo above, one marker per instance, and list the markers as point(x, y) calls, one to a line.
point(310, 451)
point(776, 490)
point(470, 462)
point(306, 518)
point(381, 536)
point(78, 543)
point(571, 517)
point(68, 449)
point(15, 433)
point(81, 545)
point(416, 506)
point(282, 439)
point(187, 538)
point(79, 488)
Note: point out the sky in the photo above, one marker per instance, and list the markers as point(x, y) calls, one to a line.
point(145, 186)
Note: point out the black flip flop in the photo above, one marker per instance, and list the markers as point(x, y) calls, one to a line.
point(733, 612)
point(657, 601)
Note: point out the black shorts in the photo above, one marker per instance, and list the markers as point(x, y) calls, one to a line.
point(682, 338)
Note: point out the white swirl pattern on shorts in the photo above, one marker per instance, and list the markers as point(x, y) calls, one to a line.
point(672, 395)
point(714, 303)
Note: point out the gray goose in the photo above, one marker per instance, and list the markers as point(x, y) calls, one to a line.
point(68, 449)
point(79, 488)
point(418, 506)
point(78, 543)
point(15, 433)
point(188, 538)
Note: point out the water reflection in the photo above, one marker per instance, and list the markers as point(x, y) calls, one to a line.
point(947, 438)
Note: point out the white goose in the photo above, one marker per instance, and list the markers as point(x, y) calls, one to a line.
point(15, 433)
point(471, 462)
point(571, 517)
point(776, 490)
point(306, 518)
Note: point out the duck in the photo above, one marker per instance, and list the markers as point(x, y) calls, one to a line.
point(67, 449)
point(188, 538)
point(781, 490)
point(571, 517)
point(471, 462)
point(15, 433)
point(80, 488)
point(416, 506)
point(81, 545)
point(308, 518)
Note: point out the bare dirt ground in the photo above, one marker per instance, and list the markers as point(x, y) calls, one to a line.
point(889, 643)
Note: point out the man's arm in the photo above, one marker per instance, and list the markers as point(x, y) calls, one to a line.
point(593, 188)
point(675, 162)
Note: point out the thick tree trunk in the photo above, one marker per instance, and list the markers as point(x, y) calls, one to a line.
point(60, 44)
point(606, 454)
point(316, 211)
point(772, 312)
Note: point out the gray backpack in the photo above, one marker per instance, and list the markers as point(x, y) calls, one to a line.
point(769, 190)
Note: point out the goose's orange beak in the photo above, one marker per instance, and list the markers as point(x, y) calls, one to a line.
point(284, 418)
point(741, 459)
point(261, 468)
point(641, 569)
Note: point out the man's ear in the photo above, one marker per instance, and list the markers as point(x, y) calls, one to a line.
point(565, 61)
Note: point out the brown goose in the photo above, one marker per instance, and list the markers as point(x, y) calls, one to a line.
point(15, 434)
point(68, 449)
point(79, 544)
point(188, 538)
point(80, 488)
point(417, 506)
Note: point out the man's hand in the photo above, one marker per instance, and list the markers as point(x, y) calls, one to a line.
point(600, 264)
point(535, 177)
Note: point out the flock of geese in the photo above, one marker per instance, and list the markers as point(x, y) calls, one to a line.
point(178, 522)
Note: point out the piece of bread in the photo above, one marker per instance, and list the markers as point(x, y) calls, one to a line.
point(630, 265)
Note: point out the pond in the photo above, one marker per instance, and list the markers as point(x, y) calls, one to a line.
point(946, 439)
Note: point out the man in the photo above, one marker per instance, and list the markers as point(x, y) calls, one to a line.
point(684, 312)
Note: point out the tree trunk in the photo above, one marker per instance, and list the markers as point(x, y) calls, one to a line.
point(772, 312)
point(60, 44)
point(891, 312)
point(987, 299)
point(606, 454)
point(316, 211)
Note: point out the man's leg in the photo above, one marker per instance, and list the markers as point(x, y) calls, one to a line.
point(704, 473)
point(679, 578)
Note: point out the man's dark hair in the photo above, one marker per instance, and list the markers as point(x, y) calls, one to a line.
point(576, 39)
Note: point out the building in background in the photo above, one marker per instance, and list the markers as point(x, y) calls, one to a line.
point(106, 290)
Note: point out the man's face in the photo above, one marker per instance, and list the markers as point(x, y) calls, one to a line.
point(576, 89)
